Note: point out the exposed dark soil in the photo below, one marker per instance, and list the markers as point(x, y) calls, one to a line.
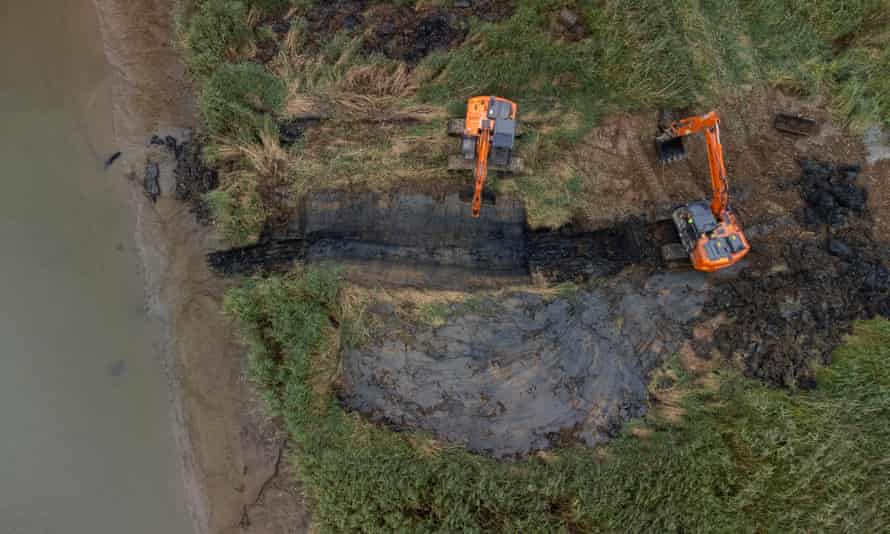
point(193, 177)
point(402, 32)
point(786, 314)
point(520, 373)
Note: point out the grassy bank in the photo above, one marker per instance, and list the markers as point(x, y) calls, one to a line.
point(742, 458)
point(255, 74)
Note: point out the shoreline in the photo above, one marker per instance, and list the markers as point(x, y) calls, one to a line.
point(229, 455)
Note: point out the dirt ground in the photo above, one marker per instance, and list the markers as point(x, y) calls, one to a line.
point(785, 308)
point(621, 175)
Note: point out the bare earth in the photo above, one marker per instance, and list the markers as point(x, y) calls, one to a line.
point(234, 466)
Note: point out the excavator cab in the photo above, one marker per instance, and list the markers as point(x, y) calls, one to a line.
point(709, 232)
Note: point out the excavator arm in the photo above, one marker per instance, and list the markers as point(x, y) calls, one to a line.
point(710, 125)
point(483, 148)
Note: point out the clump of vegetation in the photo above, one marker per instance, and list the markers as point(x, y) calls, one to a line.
point(237, 98)
point(215, 29)
point(744, 458)
point(258, 184)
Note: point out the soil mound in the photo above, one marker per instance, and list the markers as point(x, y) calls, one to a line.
point(425, 231)
point(785, 315)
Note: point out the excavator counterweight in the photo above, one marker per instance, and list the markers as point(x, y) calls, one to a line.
point(709, 231)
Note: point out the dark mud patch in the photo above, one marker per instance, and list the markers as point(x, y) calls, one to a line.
point(793, 311)
point(401, 32)
point(327, 18)
point(405, 34)
point(521, 374)
point(193, 179)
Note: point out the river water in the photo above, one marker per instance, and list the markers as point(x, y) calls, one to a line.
point(85, 436)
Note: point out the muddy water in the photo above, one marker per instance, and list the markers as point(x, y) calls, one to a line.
point(86, 444)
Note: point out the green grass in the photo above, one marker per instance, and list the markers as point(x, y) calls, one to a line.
point(215, 27)
point(647, 53)
point(743, 459)
point(238, 97)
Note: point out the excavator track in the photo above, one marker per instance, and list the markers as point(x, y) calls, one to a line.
point(666, 238)
point(459, 163)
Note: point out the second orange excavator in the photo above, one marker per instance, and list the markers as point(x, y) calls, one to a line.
point(710, 234)
point(487, 136)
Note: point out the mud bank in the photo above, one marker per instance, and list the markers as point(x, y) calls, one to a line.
point(521, 374)
point(231, 459)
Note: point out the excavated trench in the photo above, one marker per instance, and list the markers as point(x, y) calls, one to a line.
point(428, 233)
point(520, 373)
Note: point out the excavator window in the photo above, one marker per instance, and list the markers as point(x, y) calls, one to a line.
point(702, 217)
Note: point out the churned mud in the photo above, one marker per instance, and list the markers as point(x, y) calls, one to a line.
point(517, 374)
point(520, 373)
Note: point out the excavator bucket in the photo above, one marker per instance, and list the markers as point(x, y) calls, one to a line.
point(669, 148)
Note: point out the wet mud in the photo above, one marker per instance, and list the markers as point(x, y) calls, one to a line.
point(520, 373)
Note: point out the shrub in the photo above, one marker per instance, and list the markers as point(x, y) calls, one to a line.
point(216, 27)
point(237, 97)
point(240, 214)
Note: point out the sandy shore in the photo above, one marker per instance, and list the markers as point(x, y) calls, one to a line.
point(229, 457)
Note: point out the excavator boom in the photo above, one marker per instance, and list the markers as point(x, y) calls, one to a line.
point(483, 148)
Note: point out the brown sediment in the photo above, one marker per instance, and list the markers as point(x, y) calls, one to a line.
point(229, 454)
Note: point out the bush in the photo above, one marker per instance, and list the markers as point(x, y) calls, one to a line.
point(236, 98)
point(240, 213)
point(745, 459)
point(216, 27)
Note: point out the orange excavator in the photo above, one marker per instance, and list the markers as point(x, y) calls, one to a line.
point(488, 135)
point(710, 234)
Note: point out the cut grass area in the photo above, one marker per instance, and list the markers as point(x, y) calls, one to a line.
point(376, 156)
point(744, 458)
